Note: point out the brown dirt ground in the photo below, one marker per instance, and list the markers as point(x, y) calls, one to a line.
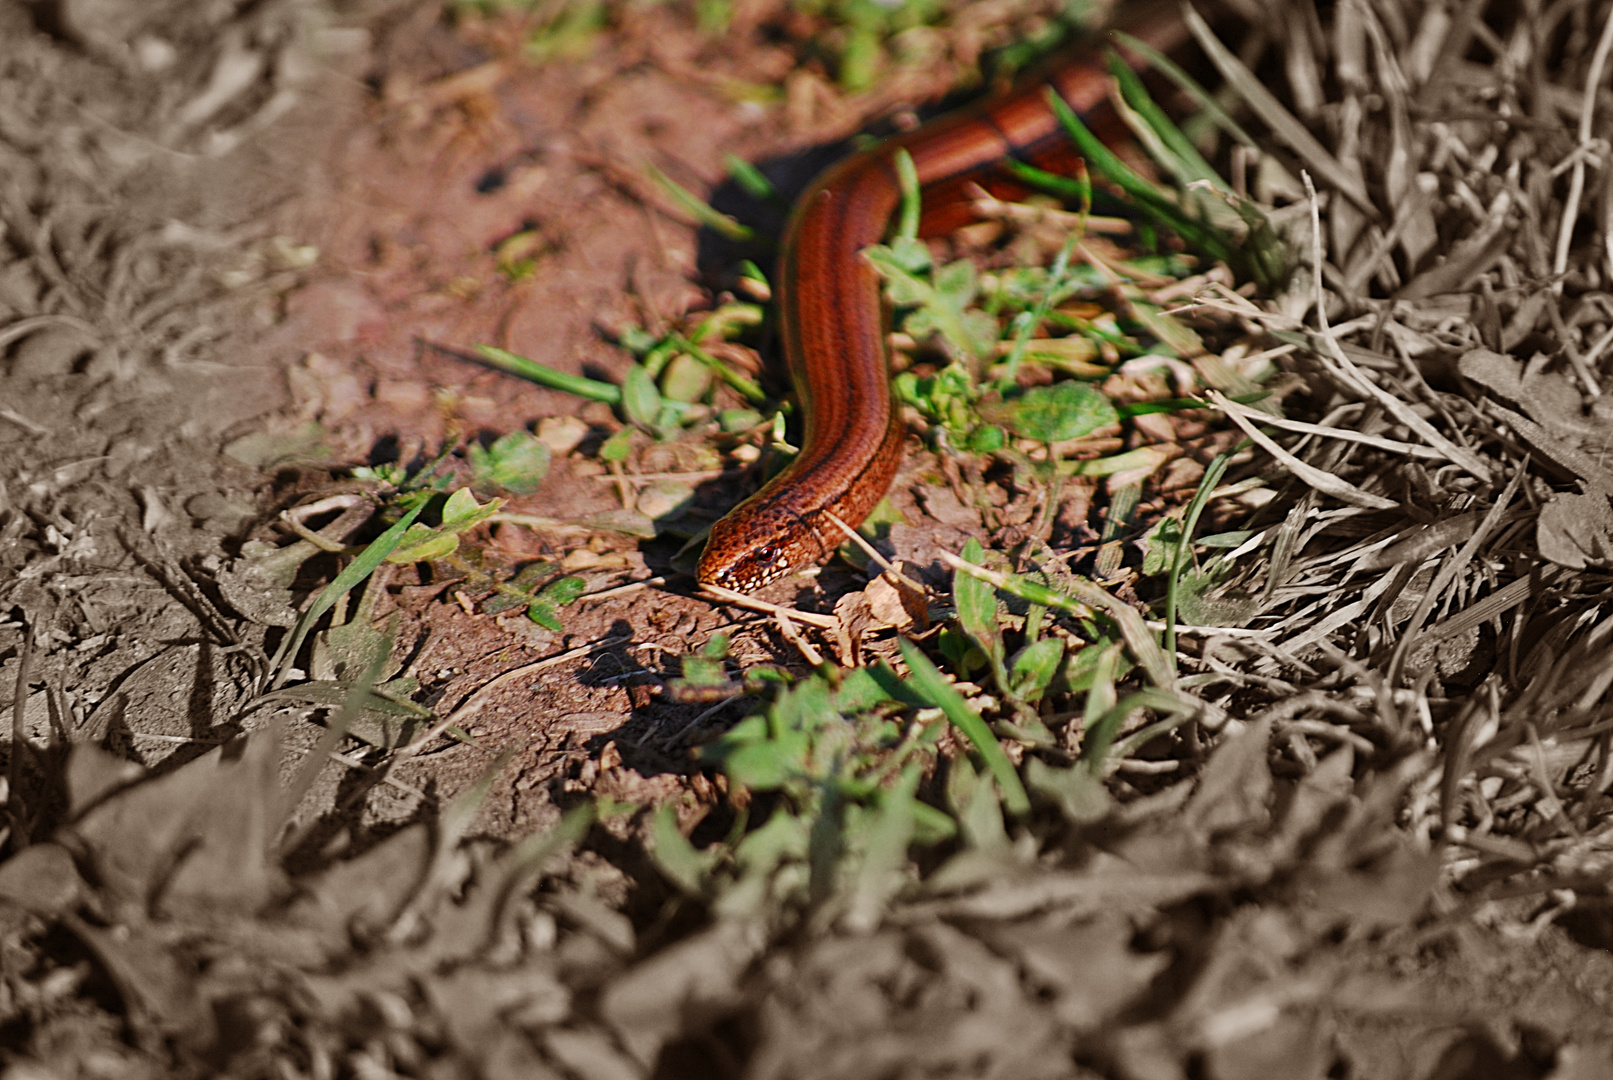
point(159, 299)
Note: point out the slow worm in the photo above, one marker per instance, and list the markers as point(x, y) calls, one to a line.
point(832, 320)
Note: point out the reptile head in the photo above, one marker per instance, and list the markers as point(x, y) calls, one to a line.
point(757, 545)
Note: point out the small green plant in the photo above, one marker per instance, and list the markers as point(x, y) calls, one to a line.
point(540, 588)
point(671, 379)
point(839, 755)
point(831, 774)
point(516, 462)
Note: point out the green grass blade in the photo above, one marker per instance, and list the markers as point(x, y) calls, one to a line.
point(907, 177)
point(1188, 164)
point(354, 572)
point(927, 679)
point(1189, 86)
point(1282, 122)
point(1065, 187)
point(698, 208)
point(532, 371)
point(1142, 191)
point(750, 178)
point(1082, 599)
point(1100, 737)
point(1184, 548)
point(335, 731)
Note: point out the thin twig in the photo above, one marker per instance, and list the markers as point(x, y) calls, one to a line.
point(786, 626)
point(873, 553)
point(729, 596)
point(475, 703)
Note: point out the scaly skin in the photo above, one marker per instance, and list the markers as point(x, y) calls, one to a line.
point(833, 321)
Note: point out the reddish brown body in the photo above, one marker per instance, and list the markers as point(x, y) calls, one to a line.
point(833, 320)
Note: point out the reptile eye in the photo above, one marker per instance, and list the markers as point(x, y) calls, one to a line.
point(767, 553)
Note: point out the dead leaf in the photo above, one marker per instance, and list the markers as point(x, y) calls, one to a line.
point(478, 1005)
point(1387, 893)
point(1576, 530)
point(369, 890)
point(653, 1001)
point(132, 839)
point(1106, 883)
point(233, 865)
point(1295, 1046)
point(92, 772)
point(1090, 966)
point(590, 1055)
point(942, 505)
point(852, 619)
point(157, 988)
point(43, 879)
point(894, 601)
point(1235, 787)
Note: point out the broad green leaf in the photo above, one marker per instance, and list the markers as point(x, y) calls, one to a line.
point(977, 606)
point(1064, 410)
point(1160, 546)
point(675, 857)
point(556, 594)
point(1033, 668)
point(564, 591)
point(516, 462)
point(543, 613)
point(860, 691)
point(704, 671)
point(783, 837)
point(1082, 671)
point(1200, 601)
point(1078, 792)
point(641, 401)
point(733, 421)
point(752, 729)
point(765, 766)
point(618, 446)
point(910, 255)
point(422, 544)
point(987, 439)
point(685, 379)
point(957, 282)
point(461, 511)
point(882, 870)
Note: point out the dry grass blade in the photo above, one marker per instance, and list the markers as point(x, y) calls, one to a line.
point(1587, 113)
point(1394, 446)
point(1282, 122)
point(1339, 364)
point(1448, 573)
point(1325, 482)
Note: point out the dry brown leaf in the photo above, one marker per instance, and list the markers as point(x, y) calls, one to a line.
point(1576, 530)
point(893, 601)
